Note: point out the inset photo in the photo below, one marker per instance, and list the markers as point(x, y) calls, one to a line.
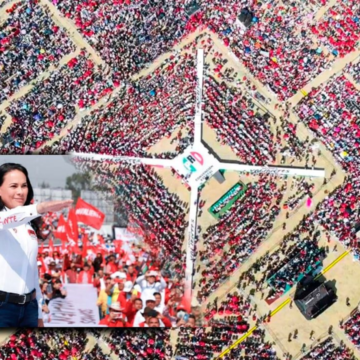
point(80, 246)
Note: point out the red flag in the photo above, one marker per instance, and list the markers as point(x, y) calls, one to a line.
point(41, 250)
point(70, 236)
point(85, 245)
point(60, 232)
point(73, 225)
point(89, 214)
point(51, 247)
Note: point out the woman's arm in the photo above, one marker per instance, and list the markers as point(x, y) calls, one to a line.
point(23, 214)
point(18, 216)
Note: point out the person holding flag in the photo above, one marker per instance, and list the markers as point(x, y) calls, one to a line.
point(20, 229)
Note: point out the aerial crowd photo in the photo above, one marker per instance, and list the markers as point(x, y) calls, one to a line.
point(191, 166)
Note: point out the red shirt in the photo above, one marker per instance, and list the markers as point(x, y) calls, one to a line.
point(114, 323)
point(85, 277)
point(131, 277)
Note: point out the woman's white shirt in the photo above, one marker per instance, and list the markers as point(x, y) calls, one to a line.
point(18, 252)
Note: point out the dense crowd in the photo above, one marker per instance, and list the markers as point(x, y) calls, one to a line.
point(339, 28)
point(68, 344)
point(238, 233)
point(153, 107)
point(354, 70)
point(204, 343)
point(152, 344)
point(142, 113)
point(42, 113)
point(328, 349)
point(59, 344)
point(277, 48)
point(132, 290)
point(30, 43)
point(237, 122)
point(255, 347)
point(233, 311)
point(129, 36)
point(352, 328)
point(96, 353)
point(332, 113)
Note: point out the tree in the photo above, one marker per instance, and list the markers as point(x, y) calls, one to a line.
point(44, 185)
point(77, 182)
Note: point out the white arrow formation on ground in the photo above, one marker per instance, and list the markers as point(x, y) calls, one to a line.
point(196, 165)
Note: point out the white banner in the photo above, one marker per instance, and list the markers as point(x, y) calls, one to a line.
point(78, 309)
point(124, 235)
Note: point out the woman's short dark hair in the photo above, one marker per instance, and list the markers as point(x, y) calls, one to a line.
point(6, 168)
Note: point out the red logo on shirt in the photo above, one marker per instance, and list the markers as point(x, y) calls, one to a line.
point(9, 219)
point(32, 233)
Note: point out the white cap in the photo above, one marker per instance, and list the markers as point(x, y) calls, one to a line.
point(128, 286)
point(150, 298)
point(116, 306)
point(152, 273)
point(39, 263)
point(120, 275)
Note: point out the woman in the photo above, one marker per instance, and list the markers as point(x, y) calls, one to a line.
point(20, 295)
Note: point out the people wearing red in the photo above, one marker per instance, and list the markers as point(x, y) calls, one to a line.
point(85, 276)
point(115, 318)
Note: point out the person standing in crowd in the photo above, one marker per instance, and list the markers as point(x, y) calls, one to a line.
point(20, 295)
point(116, 317)
point(149, 285)
point(71, 274)
point(85, 276)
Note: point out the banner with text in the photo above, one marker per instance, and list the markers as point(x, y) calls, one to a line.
point(78, 309)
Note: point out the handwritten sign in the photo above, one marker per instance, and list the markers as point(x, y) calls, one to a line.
point(78, 309)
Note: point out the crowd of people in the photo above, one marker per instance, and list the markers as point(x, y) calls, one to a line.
point(304, 259)
point(278, 271)
point(233, 311)
point(152, 344)
point(132, 292)
point(27, 344)
point(142, 113)
point(354, 70)
point(64, 344)
point(328, 349)
point(129, 36)
point(284, 61)
point(339, 28)
point(352, 328)
point(277, 48)
point(43, 112)
point(204, 343)
point(238, 123)
point(238, 233)
point(332, 113)
point(30, 43)
point(96, 353)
